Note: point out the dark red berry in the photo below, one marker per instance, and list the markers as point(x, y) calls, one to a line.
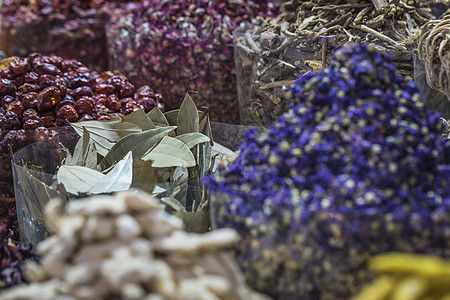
point(48, 98)
point(68, 113)
point(16, 107)
point(80, 92)
point(45, 68)
point(104, 88)
point(127, 90)
point(7, 87)
point(29, 100)
point(7, 100)
point(32, 77)
point(85, 105)
point(19, 66)
point(46, 80)
point(9, 121)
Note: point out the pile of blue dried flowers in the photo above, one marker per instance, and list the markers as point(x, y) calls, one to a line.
point(357, 167)
point(179, 46)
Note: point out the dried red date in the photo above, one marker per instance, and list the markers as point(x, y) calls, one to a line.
point(127, 90)
point(48, 98)
point(68, 113)
point(32, 124)
point(7, 87)
point(19, 66)
point(85, 105)
point(29, 100)
point(104, 88)
point(46, 80)
point(45, 68)
point(7, 100)
point(9, 121)
point(16, 107)
point(7, 74)
point(81, 91)
point(32, 77)
point(118, 81)
point(29, 87)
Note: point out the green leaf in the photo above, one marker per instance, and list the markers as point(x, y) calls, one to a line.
point(78, 179)
point(118, 179)
point(172, 116)
point(140, 119)
point(105, 133)
point(193, 139)
point(157, 117)
point(170, 152)
point(187, 120)
point(138, 143)
point(173, 203)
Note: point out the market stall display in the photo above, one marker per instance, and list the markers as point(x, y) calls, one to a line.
point(357, 167)
point(407, 276)
point(67, 28)
point(126, 247)
point(177, 46)
point(163, 154)
point(271, 56)
point(47, 91)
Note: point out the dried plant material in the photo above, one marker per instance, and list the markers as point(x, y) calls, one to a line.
point(433, 49)
point(270, 57)
point(407, 276)
point(135, 261)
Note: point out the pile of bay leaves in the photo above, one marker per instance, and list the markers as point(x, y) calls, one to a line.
point(164, 154)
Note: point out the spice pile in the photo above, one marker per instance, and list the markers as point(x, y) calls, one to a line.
point(358, 167)
point(127, 247)
point(270, 57)
point(408, 276)
point(47, 91)
point(73, 29)
point(177, 46)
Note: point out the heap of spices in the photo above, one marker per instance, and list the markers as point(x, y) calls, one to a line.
point(177, 46)
point(126, 247)
point(12, 256)
point(434, 54)
point(46, 91)
point(270, 57)
point(358, 167)
point(407, 276)
point(68, 28)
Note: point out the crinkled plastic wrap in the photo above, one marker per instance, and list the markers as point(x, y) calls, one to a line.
point(46, 157)
point(267, 64)
point(434, 99)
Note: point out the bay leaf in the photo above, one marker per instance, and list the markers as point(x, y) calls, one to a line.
point(105, 133)
point(187, 120)
point(173, 203)
point(157, 117)
point(138, 143)
point(170, 152)
point(205, 126)
point(140, 119)
point(198, 222)
point(85, 152)
point(78, 179)
point(192, 139)
point(118, 179)
point(144, 176)
point(172, 116)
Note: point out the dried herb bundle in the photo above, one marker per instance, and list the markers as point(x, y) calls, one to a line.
point(433, 49)
point(163, 154)
point(270, 57)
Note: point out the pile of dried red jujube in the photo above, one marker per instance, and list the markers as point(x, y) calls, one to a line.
point(47, 91)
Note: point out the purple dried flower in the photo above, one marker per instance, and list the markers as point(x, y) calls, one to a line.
point(177, 46)
point(357, 167)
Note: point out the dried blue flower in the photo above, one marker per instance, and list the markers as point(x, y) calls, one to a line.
point(357, 167)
